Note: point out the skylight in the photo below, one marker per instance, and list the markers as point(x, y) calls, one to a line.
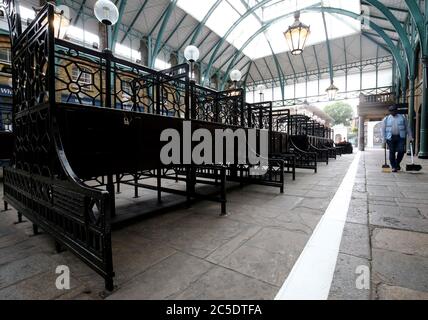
point(277, 12)
point(127, 52)
point(26, 13)
point(82, 36)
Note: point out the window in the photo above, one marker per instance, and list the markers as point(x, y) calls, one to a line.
point(126, 87)
point(83, 76)
point(5, 55)
point(127, 52)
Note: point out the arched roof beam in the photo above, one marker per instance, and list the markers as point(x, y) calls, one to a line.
point(119, 22)
point(79, 12)
point(327, 41)
point(194, 34)
point(167, 14)
point(200, 25)
point(419, 20)
point(277, 65)
point(173, 31)
point(247, 73)
point(401, 33)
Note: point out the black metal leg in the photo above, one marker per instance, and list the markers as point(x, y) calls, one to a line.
point(117, 183)
point(136, 186)
point(109, 284)
point(111, 191)
point(58, 247)
point(159, 182)
point(188, 186)
point(6, 206)
point(282, 180)
point(20, 220)
point(294, 169)
point(223, 192)
point(35, 229)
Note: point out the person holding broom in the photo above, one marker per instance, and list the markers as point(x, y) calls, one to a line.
point(394, 133)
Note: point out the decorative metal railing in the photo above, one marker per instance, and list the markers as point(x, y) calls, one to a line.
point(382, 98)
point(79, 114)
point(355, 94)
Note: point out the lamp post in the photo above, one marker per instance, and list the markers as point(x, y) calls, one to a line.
point(107, 13)
point(191, 53)
point(235, 76)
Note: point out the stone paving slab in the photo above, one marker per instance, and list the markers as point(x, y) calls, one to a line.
point(345, 277)
point(386, 292)
point(356, 241)
point(406, 242)
point(223, 284)
point(397, 269)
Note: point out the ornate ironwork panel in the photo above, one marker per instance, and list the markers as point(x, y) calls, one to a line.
point(13, 18)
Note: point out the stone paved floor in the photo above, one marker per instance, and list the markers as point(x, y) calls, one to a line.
point(386, 231)
point(195, 254)
point(186, 254)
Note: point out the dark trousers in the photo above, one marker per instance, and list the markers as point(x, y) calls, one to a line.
point(397, 149)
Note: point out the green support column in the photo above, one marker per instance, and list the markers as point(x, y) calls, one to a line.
point(149, 46)
point(411, 102)
point(423, 153)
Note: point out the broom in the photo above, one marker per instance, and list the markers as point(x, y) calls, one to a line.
point(386, 168)
point(413, 167)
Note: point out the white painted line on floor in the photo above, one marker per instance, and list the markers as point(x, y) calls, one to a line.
point(312, 275)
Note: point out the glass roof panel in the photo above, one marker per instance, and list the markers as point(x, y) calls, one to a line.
point(279, 11)
point(197, 9)
point(223, 18)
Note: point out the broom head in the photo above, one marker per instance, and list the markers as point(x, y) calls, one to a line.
point(413, 167)
point(386, 168)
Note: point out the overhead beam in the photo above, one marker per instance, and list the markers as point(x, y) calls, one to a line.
point(79, 12)
point(404, 40)
point(173, 31)
point(330, 60)
point(119, 22)
point(194, 34)
point(137, 16)
point(261, 76)
point(202, 23)
point(247, 73)
point(419, 20)
point(167, 14)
